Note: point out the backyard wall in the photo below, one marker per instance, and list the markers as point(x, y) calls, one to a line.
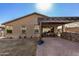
point(70, 36)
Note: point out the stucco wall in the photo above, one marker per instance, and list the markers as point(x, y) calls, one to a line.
point(29, 22)
point(72, 29)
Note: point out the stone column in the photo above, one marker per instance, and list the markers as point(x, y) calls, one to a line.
point(40, 30)
point(55, 29)
point(63, 28)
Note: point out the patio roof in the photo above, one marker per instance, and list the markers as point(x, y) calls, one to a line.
point(59, 20)
point(48, 19)
point(23, 17)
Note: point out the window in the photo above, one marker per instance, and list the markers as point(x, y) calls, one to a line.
point(36, 29)
point(9, 29)
point(23, 29)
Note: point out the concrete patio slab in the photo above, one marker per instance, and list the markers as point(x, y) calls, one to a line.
point(57, 47)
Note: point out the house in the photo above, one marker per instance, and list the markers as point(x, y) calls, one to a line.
point(2, 28)
point(35, 25)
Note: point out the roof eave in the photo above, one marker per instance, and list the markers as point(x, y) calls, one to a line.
point(23, 17)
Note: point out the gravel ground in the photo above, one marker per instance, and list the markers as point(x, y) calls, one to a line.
point(58, 47)
point(23, 47)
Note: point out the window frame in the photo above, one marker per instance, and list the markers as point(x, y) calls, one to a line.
point(36, 29)
point(23, 29)
point(9, 29)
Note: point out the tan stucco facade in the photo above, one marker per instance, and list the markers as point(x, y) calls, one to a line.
point(29, 22)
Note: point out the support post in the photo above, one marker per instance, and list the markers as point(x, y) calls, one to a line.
point(63, 28)
point(40, 32)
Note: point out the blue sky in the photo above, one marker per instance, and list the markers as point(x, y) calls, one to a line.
point(9, 11)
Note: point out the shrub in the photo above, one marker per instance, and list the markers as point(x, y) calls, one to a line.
point(9, 31)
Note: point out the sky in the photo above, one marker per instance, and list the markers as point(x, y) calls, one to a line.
point(10, 11)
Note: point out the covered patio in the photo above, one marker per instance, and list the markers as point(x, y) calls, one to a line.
point(49, 26)
point(52, 28)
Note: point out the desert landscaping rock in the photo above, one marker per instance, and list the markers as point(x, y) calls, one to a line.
point(17, 47)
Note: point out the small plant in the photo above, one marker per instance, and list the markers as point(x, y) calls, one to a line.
point(9, 31)
point(20, 37)
point(24, 37)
